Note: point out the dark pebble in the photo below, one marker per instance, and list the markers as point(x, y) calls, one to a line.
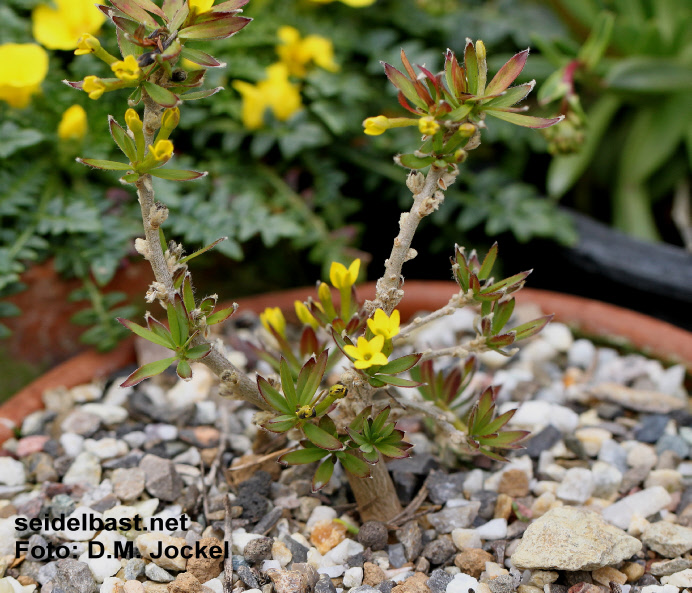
point(648, 579)
point(258, 549)
point(268, 521)
point(325, 585)
point(487, 498)
point(651, 428)
point(542, 441)
point(356, 560)
point(411, 537)
point(299, 551)
point(128, 461)
point(373, 535)
point(74, 577)
point(385, 587)
point(438, 581)
point(442, 486)
point(259, 484)
point(555, 588)
point(574, 577)
point(633, 477)
point(406, 484)
point(421, 464)
point(397, 557)
point(248, 577)
point(439, 551)
point(685, 500)
point(609, 411)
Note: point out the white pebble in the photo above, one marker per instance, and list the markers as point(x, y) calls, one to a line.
point(558, 335)
point(536, 415)
point(83, 515)
point(466, 538)
point(660, 589)
point(462, 583)
point(320, 513)
point(267, 564)
point(577, 485)
point(339, 553)
point(110, 415)
point(11, 472)
point(581, 354)
point(103, 569)
point(493, 529)
point(217, 586)
point(106, 448)
point(645, 502)
point(642, 454)
point(332, 571)
point(72, 443)
point(353, 577)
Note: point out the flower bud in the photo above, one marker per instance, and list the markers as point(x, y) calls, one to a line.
point(87, 44)
point(134, 123)
point(466, 130)
point(428, 126)
point(162, 150)
point(374, 126)
point(169, 121)
point(304, 315)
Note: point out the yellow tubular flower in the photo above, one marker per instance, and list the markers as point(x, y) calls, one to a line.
point(297, 53)
point(368, 352)
point(23, 66)
point(341, 278)
point(134, 123)
point(274, 318)
point(62, 26)
point(275, 92)
point(87, 44)
point(127, 70)
point(200, 6)
point(73, 125)
point(382, 325)
point(374, 126)
point(162, 150)
point(428, 126)
point(305, 316)
point(94, 86)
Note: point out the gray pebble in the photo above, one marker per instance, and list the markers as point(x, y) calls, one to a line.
point(542, 441)
point(299, 551)
point(258, 549)
point(162, 479)
point(73, 576)
point(439, 551)
point(373, 535)
point(325, 585)
point(651, 428)
point(438, 581)
point(134, 569)
point(502, 584)
point(397, 556)
point(411, 537)
point(671, 442)
point(442, 486)
point(158, 574)
point(47, 572)
point(248, 577)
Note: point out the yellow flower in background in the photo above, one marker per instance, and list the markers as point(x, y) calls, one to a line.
point(342, 278)
point(297, 53)
point(23, 66)
point(274, 318)
point(383, 325)
point(368, 352)
point(127, 70)
point(351, 3)
point(94, 86)
point(200, 6)
point(73, 125)
point(276, 92)
point(62, 27)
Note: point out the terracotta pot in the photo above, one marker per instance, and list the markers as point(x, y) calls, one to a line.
point(658, 338)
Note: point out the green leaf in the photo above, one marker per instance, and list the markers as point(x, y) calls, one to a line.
point(303, 456)
point(147, 334)
point(410, 161)
point(201, 58)
point(282, 423)
point(177, 174)
point(508, 74)
point(321, 438)
point(217, 26)
point(393, 451)
point(379, 421)
point(353, 465)
point(15, 138)
point(310, 378)
point(471, 65)
point(130, 178)
point(398, 381)
point(401, 364)
point(272, 396)
point(134, 9)
point(160, 95)
point(511, 96)
point(148, 370)
point(124, 142)
point(596, 44)
point(650, 75)
point(531, 328)
point(323, 474)
point(195, 95)
point(107, 165)
point(222, 315)
point(526, 121)
point(287, 384)
point(184, 370)
point(198, 352)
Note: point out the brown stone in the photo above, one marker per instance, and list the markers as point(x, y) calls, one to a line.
point(185, 582)
point(327, 534)
point(288, 581)
point(251, 463)
point(133, 587)
point(414, 584)
point(608, 574)
point(472, 561)
point(373, 575)
point(503, 507)
point(205, 569)
point(7, 511)
point(514, 483)
point(585, 588)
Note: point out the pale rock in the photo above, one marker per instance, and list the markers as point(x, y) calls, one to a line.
point(592, 439)
point(353, 577)
point(671, 380)
point(492, 359)
point(241, 538)
point(555, 472)
point(581, 353)
point(102, 567)
point(462, 583)
point(195, 390)
point(466, 538)
point(473, 482)
point(281, 553)
point(536, 415)
point(492, 571)
point(577, 486)
point(85, 469)
point(558, 335)
point(148, 544)
point(642, 454)
point(116, 395)
point(85, 393)
point(539, 487)
point(113, 585)
point(320, 513)
point(668, 539)
point(669, 479)
point(645, 503)
point(679, 579)
point(72, 443)
point(83, 515)
point(569, 538)
point(523, 464)
point(267, 564)
point(106, 448)
point(660, 589)
point(541, 578)
point(339, 553)
point(537, 351)
point(332, 572)
point(543, 504)
point(8, 536)
point(215, 585)
point(11, 472)
point(608, 574)
point(493, 529)
point(606, 479)
point(641, 400)
point(638, 525)
point(110, 415)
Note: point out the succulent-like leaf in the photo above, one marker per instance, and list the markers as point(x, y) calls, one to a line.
point(199, 57)
point(357, 422)
point(501, 314)
point(507, 283)
point(397, 452)
point(160, 95)
point(272, 396)
point(323, 474)
point(392, 380)
point(177, 174)
point(222, 315)
point(310, 378)
point(380, 419)
point(106, 165)
point(229, 6)
point(178, 321)
point(159, 329)
point(171, 7)
point(511, 96)
point(471, 65)
point(281, 423)
point(198, 352)
point(203, 250)
point(531, 328)
point(287, 385)
point(353, 465)
point(404, 84)
point(508, 73)
point(148, 370)
point(188, 295)
point(401, 364)
point(508, 439)
point(147, 334)
point(411, 161)
point(303, 456)
point(184, 370)
point(321, 438)
point(124, 142)
point(193, 96)
point(134, 9)
point(309, 344)
point(217, 26)
point(526, 121)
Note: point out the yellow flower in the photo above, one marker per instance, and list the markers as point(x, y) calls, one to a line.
point(23, 66)
point(73, 125)
point(274, 318)
point(94, 86)
point(87, 44)
point(368, 352)
point(133, 121)
point(275, 92)
point(428, 126)
point(342, 278)
point(162, 150)
point(384, 326)
point(128, 69)
point(297, 53)
point(61, 27)
point(374, 126)
point(305, 316)
point(352, 3)
point(200, 6)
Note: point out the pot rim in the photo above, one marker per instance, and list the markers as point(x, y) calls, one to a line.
point(656, 338)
